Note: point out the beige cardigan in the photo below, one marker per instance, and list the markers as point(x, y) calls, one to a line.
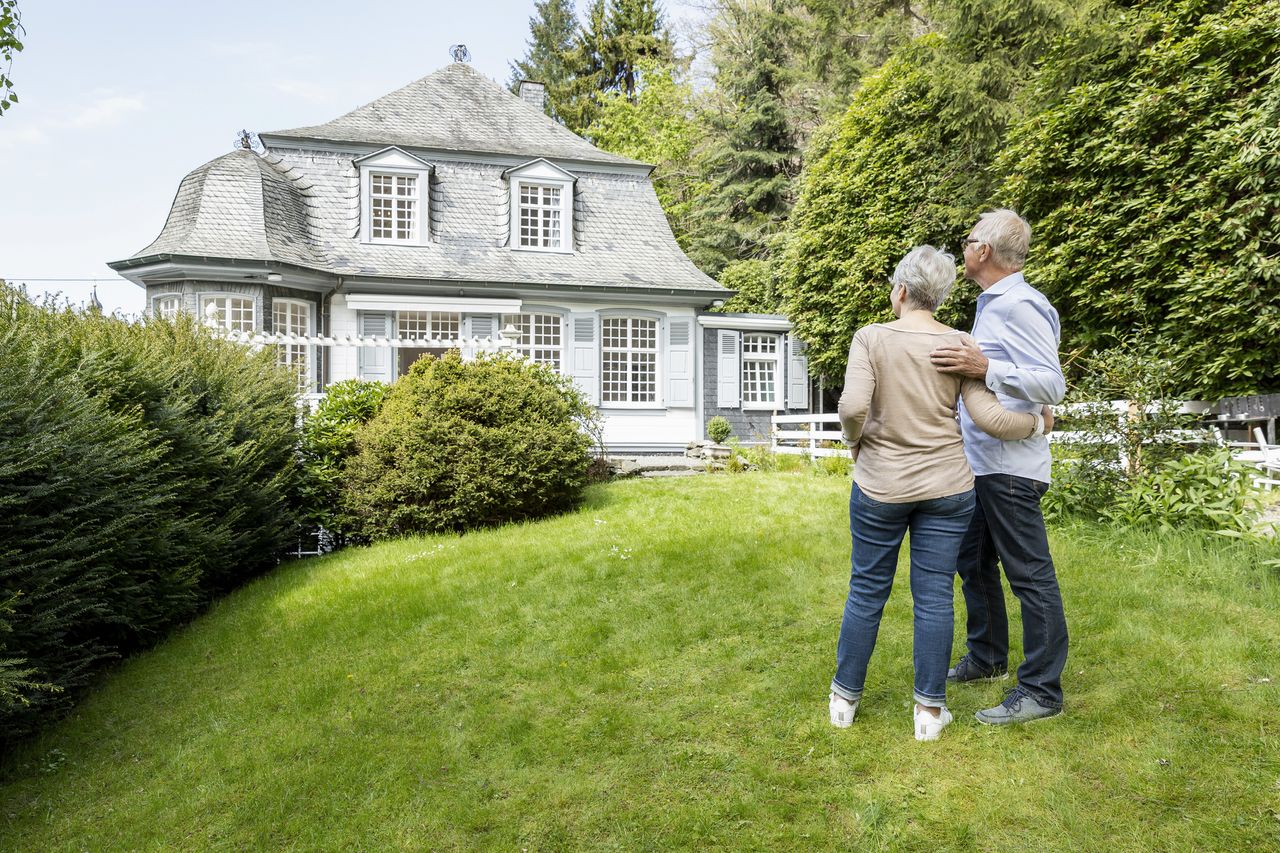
point(899, 416)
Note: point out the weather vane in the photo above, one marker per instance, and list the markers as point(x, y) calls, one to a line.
point(459, 53)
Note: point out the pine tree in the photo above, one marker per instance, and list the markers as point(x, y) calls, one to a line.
point(637, 35)
point(588, 75)
point(615, 39)
point(753, 156)
point(551, 42)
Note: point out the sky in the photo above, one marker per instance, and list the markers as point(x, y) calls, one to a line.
point(119, 100)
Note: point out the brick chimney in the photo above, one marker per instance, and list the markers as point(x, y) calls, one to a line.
point(534, 93)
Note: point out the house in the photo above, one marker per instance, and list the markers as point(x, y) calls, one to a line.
point(453, 213)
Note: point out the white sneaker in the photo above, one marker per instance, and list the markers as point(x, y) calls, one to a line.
point(842, 711)
point(928, 727)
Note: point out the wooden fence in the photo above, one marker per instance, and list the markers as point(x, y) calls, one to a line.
point(817, 435)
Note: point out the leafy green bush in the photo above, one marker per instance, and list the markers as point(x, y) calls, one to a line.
point(465, 444)
point(835, 466)
point(328, 440)
point(719, 429)
point(1150, 172)
point(143, 469)
point(1150, 464)
point(1200, 491)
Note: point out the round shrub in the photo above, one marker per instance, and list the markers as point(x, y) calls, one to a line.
point(718, 429)
point(466, 444)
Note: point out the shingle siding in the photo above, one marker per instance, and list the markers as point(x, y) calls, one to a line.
point(748, 424)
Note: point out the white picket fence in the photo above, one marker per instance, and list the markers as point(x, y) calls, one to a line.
point(810, 435)
point(817, 435)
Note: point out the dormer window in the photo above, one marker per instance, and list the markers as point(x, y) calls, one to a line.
point(393, 202)
point(541, 207)
point(394, 189)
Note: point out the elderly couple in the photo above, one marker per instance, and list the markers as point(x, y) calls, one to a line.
point(969, 495)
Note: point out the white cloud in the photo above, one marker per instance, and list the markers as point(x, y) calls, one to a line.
point(107, 111)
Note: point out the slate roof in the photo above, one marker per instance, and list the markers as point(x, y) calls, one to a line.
point(457, 109)
point(238, 206)
point(301, 206)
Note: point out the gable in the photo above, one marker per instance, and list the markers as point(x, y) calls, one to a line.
point(391, 157)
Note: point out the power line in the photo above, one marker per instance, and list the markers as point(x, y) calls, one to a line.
point(23, 278)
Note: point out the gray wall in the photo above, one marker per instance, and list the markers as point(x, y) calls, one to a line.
point(749, 425)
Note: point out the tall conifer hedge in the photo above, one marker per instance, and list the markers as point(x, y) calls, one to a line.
point(144, 468)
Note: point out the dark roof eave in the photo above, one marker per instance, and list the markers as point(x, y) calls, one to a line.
point(714, 291)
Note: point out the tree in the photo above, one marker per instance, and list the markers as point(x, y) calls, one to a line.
point(659, 125)
point(752, 156)
point(638, 38)
point(547, 60)
point(10, 28)
point(1151, 173)
point(613, 41)
point(908, 163)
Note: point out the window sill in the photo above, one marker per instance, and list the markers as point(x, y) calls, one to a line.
point(541, 251)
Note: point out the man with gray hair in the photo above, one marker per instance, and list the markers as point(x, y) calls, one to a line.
point(1014, 350)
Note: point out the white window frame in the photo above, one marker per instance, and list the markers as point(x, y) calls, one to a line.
point(394, 163)
point(542, 173)
point(629, 350)
point(750, 356)
point(286, 355)
point(434, 322)
point(528, 345)
point(157, 303)
point(224, 321)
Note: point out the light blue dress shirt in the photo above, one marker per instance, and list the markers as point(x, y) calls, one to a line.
point(1018, 332)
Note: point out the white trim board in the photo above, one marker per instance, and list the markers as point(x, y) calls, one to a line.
point(745, 324)
point(387, 302)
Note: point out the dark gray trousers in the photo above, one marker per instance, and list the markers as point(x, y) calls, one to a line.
point(1007, 529)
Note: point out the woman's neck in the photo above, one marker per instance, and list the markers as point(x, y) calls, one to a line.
point(919, 320)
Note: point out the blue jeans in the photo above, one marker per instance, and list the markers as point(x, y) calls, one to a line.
point(937, 526)
point(1009, 527)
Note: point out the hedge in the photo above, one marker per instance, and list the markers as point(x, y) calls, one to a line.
point(144, 469)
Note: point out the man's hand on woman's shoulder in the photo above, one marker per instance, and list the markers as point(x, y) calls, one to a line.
point(965, 358)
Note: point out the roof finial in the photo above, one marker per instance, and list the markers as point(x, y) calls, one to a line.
point(459, 53)
point(247, 140)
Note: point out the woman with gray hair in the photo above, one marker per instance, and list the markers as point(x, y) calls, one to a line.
point(899, 420)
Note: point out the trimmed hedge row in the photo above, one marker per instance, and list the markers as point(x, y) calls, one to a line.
point(144, 469)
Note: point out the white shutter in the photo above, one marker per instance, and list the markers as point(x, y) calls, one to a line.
point(481, 326)
point(728, 370)
point(584, 354)
point(797, 374)
point(374, 363)
point(680, 363)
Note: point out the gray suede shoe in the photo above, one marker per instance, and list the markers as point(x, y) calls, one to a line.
point(1018, 707)
point(966, 670)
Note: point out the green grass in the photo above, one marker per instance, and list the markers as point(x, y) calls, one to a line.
point(651, 673)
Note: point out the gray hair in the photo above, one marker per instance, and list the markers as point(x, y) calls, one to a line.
point(928, 275)
point(1008, 235)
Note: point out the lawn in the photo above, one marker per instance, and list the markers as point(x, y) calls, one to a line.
point(651, 673)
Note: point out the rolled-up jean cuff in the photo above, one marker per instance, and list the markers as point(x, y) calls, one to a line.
point(846, 693)
point(930, 701)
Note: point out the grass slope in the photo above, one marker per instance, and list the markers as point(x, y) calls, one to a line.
point(651, 673)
